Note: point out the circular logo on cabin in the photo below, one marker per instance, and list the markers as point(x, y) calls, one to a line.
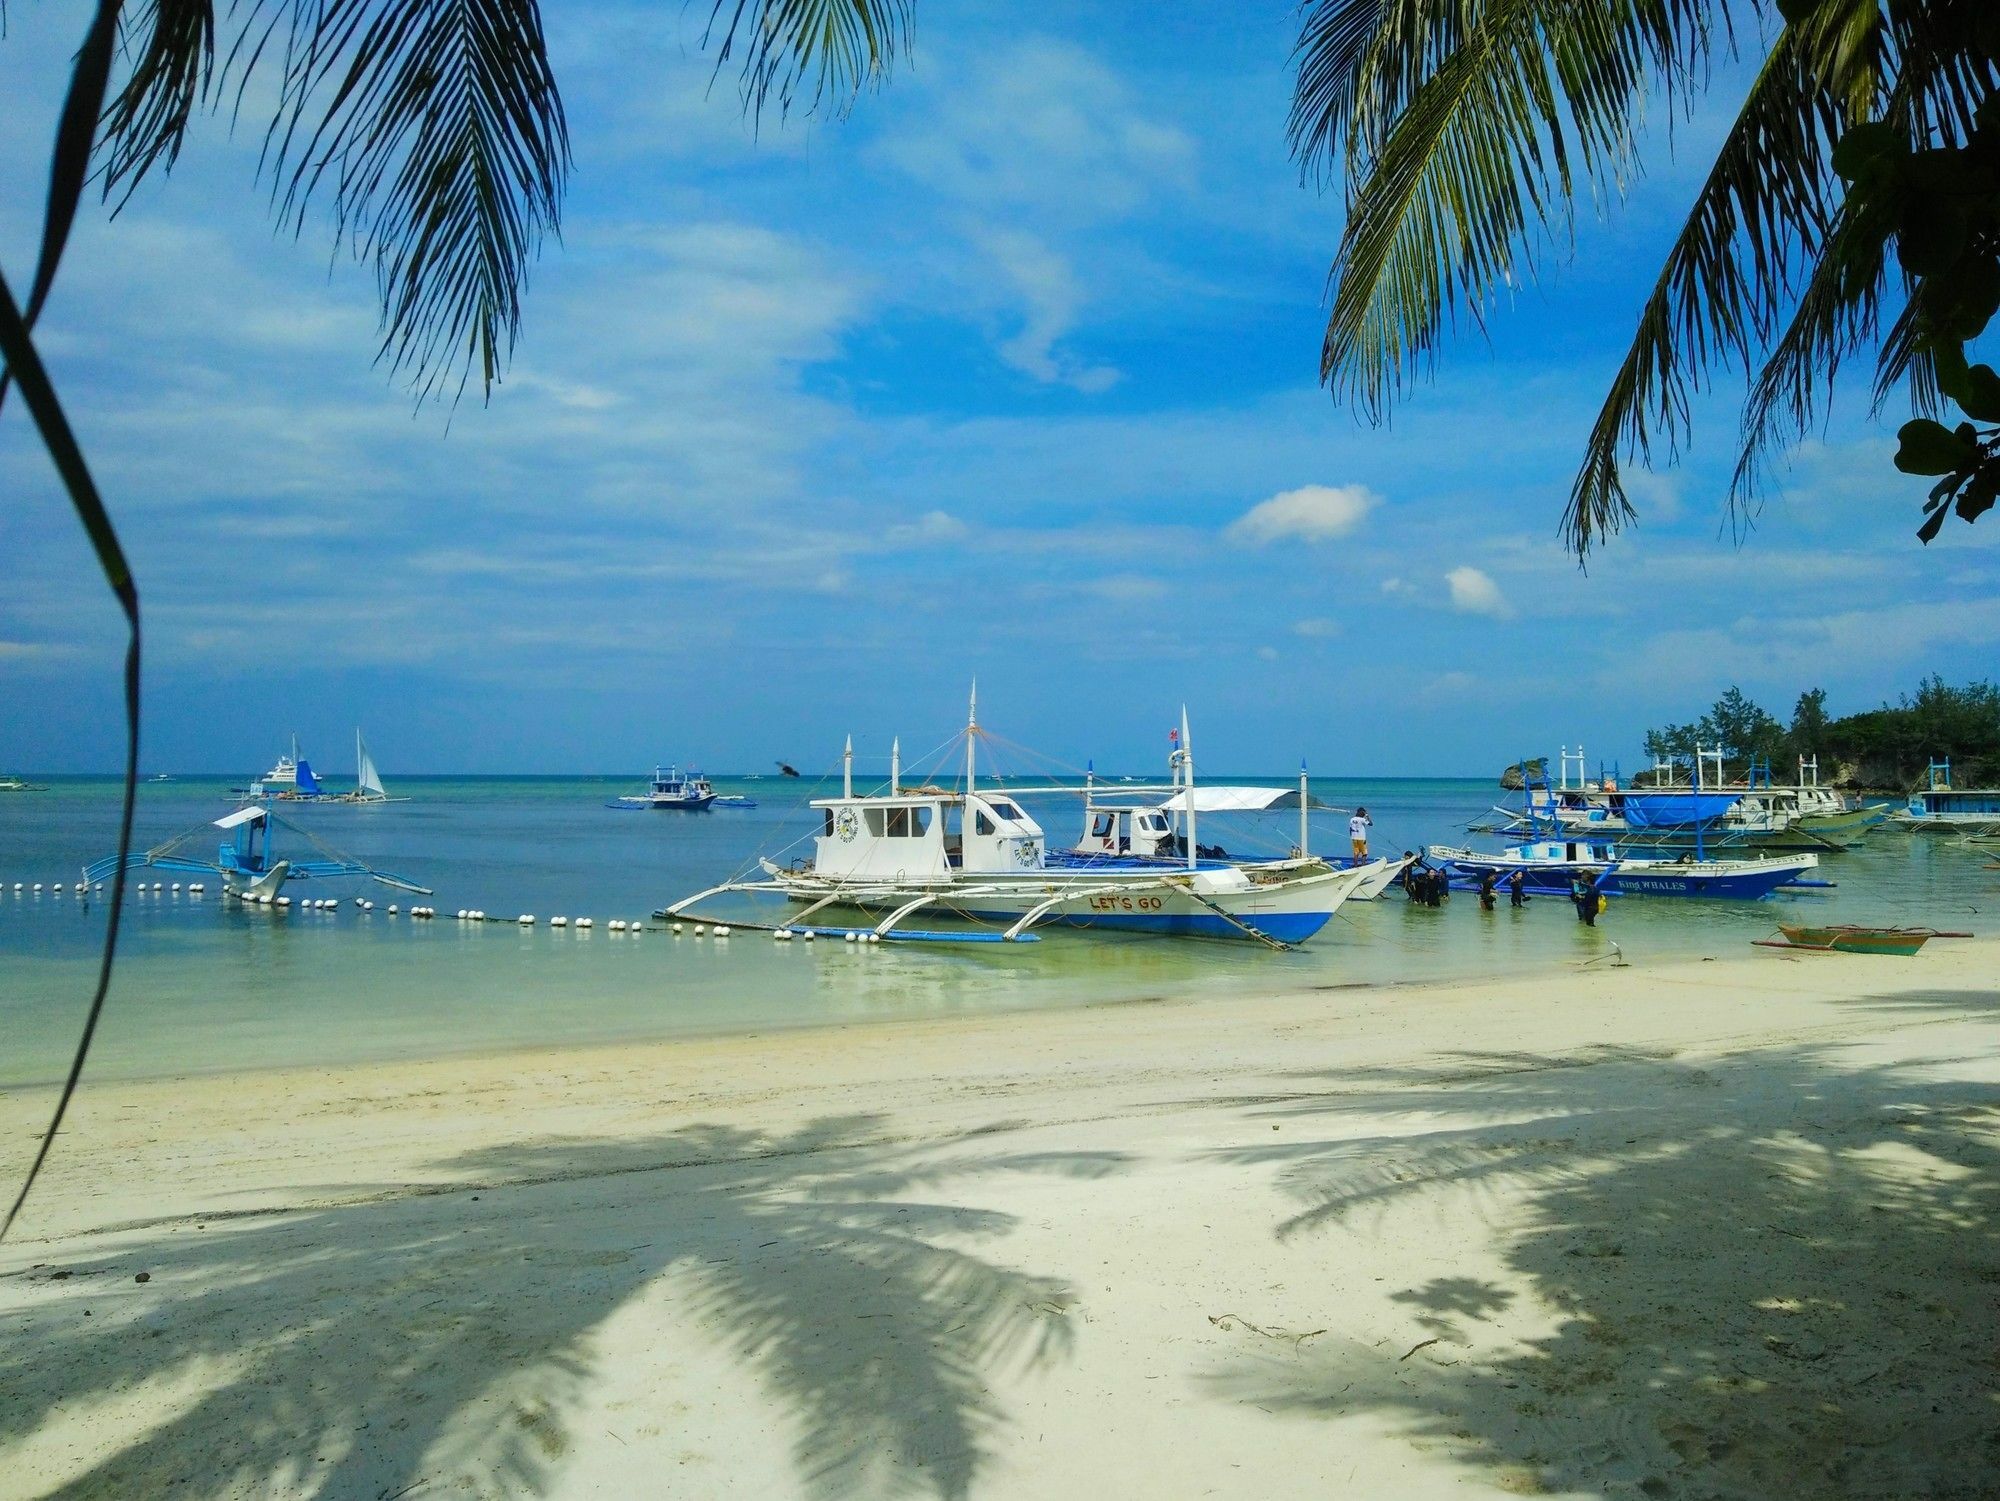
point(1025, 854)
point(846, 825)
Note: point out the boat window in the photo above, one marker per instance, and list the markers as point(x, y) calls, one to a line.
point(829, 821)
point(1152, 823)
point(1100, 826)
point(876, 822)
point(899, 823)
point(920, 822)
point(1005, 809)
point(981, 824)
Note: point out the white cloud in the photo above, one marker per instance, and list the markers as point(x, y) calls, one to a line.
point(1317, 628)
point(1126, 588)
point(1655, 495)
point(932, 526)
point(1474, 593)
point(1052, 299)
point(1267, 653)
point(1398, 586)
point(1312, 513)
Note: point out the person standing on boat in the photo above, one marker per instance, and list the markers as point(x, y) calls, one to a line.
point(1357, 833)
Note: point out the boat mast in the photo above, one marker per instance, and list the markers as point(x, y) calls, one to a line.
point(847, 769)
point(895, 766)
point(971, 735)
point(1187, 782)
point(1305, 799)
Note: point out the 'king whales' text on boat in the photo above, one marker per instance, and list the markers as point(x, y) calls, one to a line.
point(979, 856)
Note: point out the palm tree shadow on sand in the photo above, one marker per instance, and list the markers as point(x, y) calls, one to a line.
point(1775, 1274)
point(445, 1337)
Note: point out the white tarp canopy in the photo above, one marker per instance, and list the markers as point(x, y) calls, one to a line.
point(1237, 799)
point(251, 815)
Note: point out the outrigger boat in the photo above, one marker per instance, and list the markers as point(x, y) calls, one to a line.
point(1756, 812)
point(1854, 940)
point(1940, 806)
point(15, 784)
point(1550, 865)
point(672, 791)
point(1144, 823)
point(246, 862)
point(977, 855)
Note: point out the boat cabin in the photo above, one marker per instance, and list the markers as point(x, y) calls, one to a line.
point(1126, 831)
point(924, 836)
point(1940, 800)
point(248, 851)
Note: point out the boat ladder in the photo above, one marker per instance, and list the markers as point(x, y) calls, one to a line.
point(1232, 919)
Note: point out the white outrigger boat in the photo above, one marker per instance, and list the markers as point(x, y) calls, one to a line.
point(1970, 811)
point(977, 855)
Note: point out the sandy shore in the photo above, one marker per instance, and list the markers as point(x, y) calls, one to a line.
point(1714, 1229)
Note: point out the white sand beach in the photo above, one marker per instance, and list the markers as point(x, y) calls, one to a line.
point(1708, 1229)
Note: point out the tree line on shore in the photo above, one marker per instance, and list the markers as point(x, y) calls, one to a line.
point(1887, 747)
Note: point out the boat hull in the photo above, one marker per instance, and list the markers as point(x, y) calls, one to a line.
point(1902, 942)
point(1288, 911)
point(1726, 880)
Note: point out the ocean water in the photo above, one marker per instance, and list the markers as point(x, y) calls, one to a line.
point(203, 984)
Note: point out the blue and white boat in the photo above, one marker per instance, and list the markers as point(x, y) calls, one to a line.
point(672, 791)
point(1939, 806)
point(1551, 865)
point(977, 855)
point(248, 864)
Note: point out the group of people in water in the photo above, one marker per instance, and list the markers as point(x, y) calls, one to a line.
point(1428, 885)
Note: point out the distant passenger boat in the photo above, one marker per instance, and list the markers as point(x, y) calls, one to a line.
point(15, 784)
point(672, 791)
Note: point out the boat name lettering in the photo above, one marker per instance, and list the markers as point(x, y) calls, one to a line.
point(1126, 903)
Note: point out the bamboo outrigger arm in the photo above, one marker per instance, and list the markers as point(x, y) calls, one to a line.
point(888, 924)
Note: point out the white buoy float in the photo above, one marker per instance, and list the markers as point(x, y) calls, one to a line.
point(559, 922)
point(38, 885)
point(616, 925)
point(721, 931)
point(781, 933)
point(527, 919)
point(677, 930)
point(874, 937)
point(850, 937)
point(808, 935)
point(284, 901)
point(583, 922)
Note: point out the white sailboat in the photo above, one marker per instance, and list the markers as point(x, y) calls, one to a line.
point(367, 780)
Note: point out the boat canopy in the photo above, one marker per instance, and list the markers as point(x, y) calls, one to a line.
point(1677, 810)
point(240, 816)
point(1237, 799)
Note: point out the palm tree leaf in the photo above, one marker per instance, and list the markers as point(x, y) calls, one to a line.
point(1766, 200)
point(840, 46)
point(69, 166)
point(1525, 96)
point(23, 363)
point(436, 129)
point(171, 44)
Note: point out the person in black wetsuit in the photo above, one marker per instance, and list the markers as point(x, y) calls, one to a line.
point(1517, 889)
point(1486, 891)
point(1583, 892)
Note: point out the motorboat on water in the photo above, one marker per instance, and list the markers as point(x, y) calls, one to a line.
point(1940, 806)
point(975, 854)
point(15, 784)
point(1551, 866)
point(248, 864)
point(672, 791)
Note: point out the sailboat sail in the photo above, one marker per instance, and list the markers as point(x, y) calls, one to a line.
point(368, 781)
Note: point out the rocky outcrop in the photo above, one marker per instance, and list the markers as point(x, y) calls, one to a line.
point(1512, 780)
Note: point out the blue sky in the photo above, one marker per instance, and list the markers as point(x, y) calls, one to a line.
point(1011, 372)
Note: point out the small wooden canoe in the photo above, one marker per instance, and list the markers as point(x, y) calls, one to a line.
point(1851, 940)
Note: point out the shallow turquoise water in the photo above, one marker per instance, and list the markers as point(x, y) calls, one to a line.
point(204, 985)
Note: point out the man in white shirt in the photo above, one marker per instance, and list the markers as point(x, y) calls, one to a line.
point(1357, 832)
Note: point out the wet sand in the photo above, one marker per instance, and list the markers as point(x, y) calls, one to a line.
point(1721, 1228)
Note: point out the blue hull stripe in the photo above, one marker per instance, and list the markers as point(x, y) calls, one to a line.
point(1286, 927)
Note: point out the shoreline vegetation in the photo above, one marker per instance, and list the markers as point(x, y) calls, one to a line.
point(1884, 751)
point(1700, 1228)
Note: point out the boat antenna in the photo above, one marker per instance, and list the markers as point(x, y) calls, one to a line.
point(1187, 781)
point(847, 769)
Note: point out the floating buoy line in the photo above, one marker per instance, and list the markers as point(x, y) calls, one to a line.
point(282, 903)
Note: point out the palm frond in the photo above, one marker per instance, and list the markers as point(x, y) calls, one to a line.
point(1527, 97)
point(1726, 279)
point(437, 129)
point(170, 50)
point(838, 47)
